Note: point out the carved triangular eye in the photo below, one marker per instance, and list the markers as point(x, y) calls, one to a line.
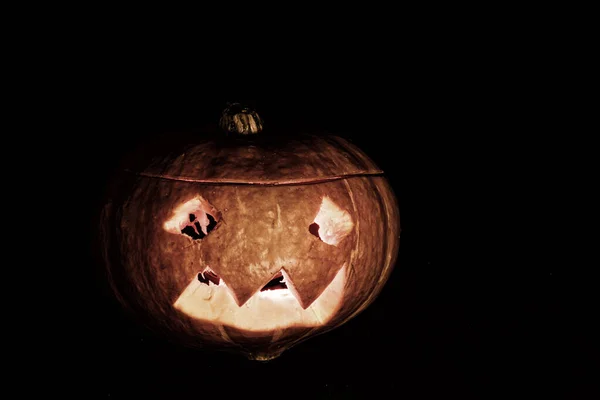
point(195, 218)
point(332, 224)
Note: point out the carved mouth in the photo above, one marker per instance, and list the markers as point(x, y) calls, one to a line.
point(276, 305)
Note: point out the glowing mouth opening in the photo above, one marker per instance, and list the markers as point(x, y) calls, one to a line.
point(277, 283)
point(276, 305)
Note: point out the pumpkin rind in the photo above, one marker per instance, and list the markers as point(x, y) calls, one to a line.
point(307, 159)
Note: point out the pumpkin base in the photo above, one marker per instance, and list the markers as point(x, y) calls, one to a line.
point(264, 356)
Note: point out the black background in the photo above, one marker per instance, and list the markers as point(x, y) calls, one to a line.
point(476, 307)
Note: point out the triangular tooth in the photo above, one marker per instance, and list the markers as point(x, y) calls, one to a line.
point(308, 281)
point(292, 288)
point(245, 284)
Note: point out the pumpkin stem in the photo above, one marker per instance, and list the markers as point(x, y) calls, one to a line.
point(240, 119)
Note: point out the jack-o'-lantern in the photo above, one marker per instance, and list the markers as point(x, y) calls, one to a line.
point(249, 241)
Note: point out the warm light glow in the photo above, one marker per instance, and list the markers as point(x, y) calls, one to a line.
point(266, 310)
point(334, 223)
point(277, 306)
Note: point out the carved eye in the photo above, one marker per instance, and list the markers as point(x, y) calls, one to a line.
point(195, 218)
point(332, 224)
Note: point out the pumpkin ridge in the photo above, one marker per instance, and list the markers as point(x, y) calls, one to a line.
point(358, 158)
point(351, 271)
point(382, 201)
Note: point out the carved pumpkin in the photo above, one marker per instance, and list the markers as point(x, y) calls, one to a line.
point(251, 243)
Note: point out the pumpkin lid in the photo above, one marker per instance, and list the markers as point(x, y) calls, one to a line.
point(265, 159)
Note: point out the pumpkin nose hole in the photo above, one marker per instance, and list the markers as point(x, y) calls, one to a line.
point(208, 276)
point(276, 283)
point(194, 230)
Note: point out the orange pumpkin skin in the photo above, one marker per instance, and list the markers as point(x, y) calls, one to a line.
point(265, 196)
